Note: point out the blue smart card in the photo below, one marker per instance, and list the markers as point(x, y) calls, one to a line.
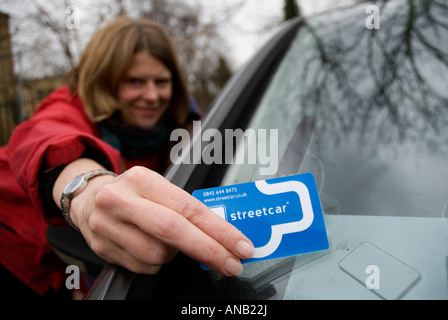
point(282, 217)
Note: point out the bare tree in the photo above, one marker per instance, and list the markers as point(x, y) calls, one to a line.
point(41, 39)
point(48, 47)
point(392, 77)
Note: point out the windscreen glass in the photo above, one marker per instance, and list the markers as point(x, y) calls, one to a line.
point(366, 111)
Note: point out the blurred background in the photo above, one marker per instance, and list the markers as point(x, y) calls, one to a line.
point(40, 41)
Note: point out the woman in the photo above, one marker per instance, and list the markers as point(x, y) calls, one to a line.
point(114, 119)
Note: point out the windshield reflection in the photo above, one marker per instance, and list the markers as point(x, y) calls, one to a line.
point(378, 145)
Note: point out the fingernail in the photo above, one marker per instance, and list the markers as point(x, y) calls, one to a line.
point(233, 267)
point(244, 249)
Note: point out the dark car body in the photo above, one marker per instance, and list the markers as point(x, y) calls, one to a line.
point(366, 111)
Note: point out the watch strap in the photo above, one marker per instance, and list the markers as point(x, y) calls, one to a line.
point(67, 198)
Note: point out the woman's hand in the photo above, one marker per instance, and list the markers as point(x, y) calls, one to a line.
point(139, 220)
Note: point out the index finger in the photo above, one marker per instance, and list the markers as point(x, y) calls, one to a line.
point(175, 230)
point(156, 188)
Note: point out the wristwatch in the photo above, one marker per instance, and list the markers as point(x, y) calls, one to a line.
point(74, 188)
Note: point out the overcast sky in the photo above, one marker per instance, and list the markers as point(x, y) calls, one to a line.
point(247, 30)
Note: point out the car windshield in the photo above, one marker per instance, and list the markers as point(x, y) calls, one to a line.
point(366, 111)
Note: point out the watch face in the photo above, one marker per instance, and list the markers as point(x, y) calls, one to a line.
point(74, 184)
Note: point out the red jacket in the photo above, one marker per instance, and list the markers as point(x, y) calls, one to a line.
point(57, 134)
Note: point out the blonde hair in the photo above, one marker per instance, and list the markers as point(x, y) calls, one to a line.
point(109, 55)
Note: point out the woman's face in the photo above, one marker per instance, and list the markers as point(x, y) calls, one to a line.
point(146, 90)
